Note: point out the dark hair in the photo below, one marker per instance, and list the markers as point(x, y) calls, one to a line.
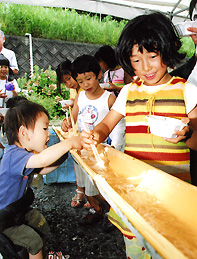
point(83, 64)
point(11, 102)
point(107, 54)
point(191, 8)
point(4, 61)
point(25, 113)
point(64, 68)
point(154, 32)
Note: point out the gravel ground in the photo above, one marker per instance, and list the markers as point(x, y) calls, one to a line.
point(66, 235)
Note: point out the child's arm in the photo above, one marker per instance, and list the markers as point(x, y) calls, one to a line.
point(111, 100)
point(51, 154)
point(75, 109)
point(193, 36)
point(112, 87)
point(102, 130)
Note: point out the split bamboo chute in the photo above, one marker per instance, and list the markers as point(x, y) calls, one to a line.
point(158, 208)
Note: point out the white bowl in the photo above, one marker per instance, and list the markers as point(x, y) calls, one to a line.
point(105, 85)
point(3, 111)
point(66, 102)
point(182, 28)
point(164, 126)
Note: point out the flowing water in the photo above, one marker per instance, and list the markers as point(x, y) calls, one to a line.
point(144, 201)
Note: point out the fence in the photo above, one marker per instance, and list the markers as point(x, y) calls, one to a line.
point(45, 52)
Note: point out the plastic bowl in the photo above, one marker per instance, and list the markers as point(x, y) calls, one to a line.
point(66, 102)
point(182, 28)
point(164, 126)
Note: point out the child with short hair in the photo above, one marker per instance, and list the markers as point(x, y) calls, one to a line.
point(92, 104)
point(147, 46)
point(26, 127)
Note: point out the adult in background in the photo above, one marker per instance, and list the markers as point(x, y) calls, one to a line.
point(9, 54)
point(187, 68)
point(189, 72)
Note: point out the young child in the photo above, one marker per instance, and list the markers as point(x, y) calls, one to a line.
point(7, 76)
point(26, 127)
point(147, 46)
point(64, 76)
point(92, 104)
point(114, 75)
point(63, 72)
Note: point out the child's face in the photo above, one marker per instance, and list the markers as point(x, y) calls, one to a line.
point(149, 67)
point(88, 81)
point(69, 81)
point(3, 71)
point(39, 136)
point(103, 65)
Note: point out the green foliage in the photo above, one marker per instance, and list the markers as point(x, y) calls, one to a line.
point(42, 89)
point(59, 24)
point(188, 46)
point(67, 25)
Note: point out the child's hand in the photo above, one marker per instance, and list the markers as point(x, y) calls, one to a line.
point(193, 36)
point(112, 87)
point(2, 95)
point(76, 142)
point(88, 138)
point(183, 134)
point(65, 126)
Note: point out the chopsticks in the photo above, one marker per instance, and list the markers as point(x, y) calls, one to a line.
point(95, 151)
point(72, 122)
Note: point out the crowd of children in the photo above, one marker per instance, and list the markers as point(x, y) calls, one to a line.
point(148, 45)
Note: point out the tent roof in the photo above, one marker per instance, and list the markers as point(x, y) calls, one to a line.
point(176, 9)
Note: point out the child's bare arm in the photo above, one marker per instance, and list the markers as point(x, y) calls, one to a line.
point(51, 154)
point(111, 100)
point(53, 166)
point(102, 130)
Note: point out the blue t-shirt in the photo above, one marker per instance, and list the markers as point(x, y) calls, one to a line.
point(13, 174)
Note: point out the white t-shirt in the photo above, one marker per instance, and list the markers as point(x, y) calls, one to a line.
point(10, 55)
point(190, 92)
point(94, 111)
point(8, 93)
point(193, 76)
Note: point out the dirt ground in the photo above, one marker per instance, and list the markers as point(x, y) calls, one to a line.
point(67, 235)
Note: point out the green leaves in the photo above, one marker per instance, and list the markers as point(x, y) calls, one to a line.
point(59, 24)
point(42, 89)
point(187, 46)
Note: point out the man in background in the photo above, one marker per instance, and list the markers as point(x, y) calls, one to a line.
point(9, 54)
